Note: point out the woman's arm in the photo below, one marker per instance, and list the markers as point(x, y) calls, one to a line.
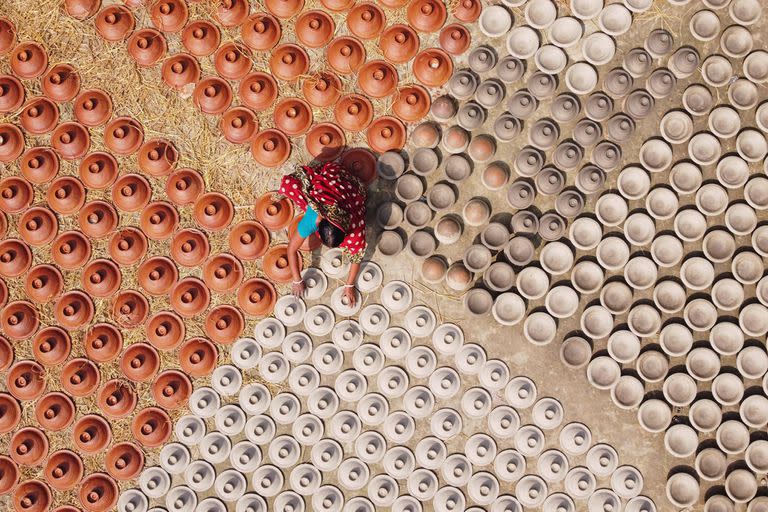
point(293, 262)
point(349, 288)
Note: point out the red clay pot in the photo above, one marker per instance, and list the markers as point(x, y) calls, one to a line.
point(93, 107)
point(65, 195)
point(98, 170)
point(124, 135)
point(198, 357)
point(80, 377)
point(366, 20)
point(130, 309)
point(19, 320)
point(98, 493)
point(385, 134)
point(190, 297)
point(189, 247)
point(3, 225)
point(213, 211)
point(127, 246)
point(32, 496)
point(232, 61)
point(91, 433)
point(140, 362)
point(377, 79)
point(313, 28)
point(6, 351)
point(55, 411)
point(11, 143)
point(345, 54)
point(25, 380)
point(271, 148)
point(165, 330)
point(51, 345)
point(82, 9)
point(28, 60)
point(433, 67)
point(38, 226)
point(353, 112)
point(361, 163)
point(222, 273)
point(201, 38)
point(169, 15)
point(157, 275)
point(158, 157)
point(114, 23)
point(64, 470)
point(273, 213)
point(184, 186)
point(393, 4)
point(147, 46)
point(412, 103)
point(224, 324)
point(103, 342)
point(61, 83)
point(239, 125)
point(293, 116)
point(39, 165)
point(288, 62)
point(284, 8)
point(16, 194)
point(261, 32)
point(257, 297)
point(337, 5)
point(151, 427)
point(74, 310)
point(9, 474)
point(467, 10)
point(231, 13)
point(101, 278)
point(455, 39)
point(10, 413)
point(71, 250)
point(40, 115)
point(124, 461)
point(427, 15)
point(117, 399)
point(43, 283)
point(258, 91)
point(275, 264)
point(28, 446)
point(131, 192)
point(325, 141)
point(322, 89)
point(13, 93)
point(7, 35)
point(248, 240)
point(171, 389)
point(310, 243)
point(159, 220)
point(97, 219)
point(180, 70)
point(71, 140)
point(15, 257)
point(212, 95)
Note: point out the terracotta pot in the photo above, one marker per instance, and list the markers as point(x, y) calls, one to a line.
point(212, 95)
point(322, 89)
point(80, 377)
point(427, 15)
point(64, 470)
point(151, 427)
point(313, 28)
point(157, 275)
point(101, 278)
point(25, 380)
point(140, 362)
point(272, 213)
point(116, 399)
point(361, 163)
point(284, 8)
point(433, 67)
point(114, 23)
point(7, 35)
point(98, 493)
point(127, 246)
point(124, 135)
point(11, 143)
point(184, 186)
point(43, 283)
point(412, 103)
point(165, 330)
point(275, 264)
point(124, 461)
point(9, 474)
point(6, 352)
point(386, 134)
point(97, 219)
point(147, 46)
point(19, 320)
point(82, 9)
point(159, 220)
point(239, 125)
point(455, 39)
point(213, 211)
point(171, 389)
point(201, 38)
point(325, 141)
point(15, 257)
point(377, 79)
point(93, 107)
point(91, 434)
point(353, 112)
point(38, 226)
point(224, 324)
point(3, 225)
point(74, 310)
point(258, 91)
point(232, 61)
point(55, 411)
point(130, 309)
point(248, 240)
point(40, 115)
point(61, 83)
point(71, 250)
point(345, 55)
point(32, 496)
point(13, 93)
point(288, 62)
point(223, 272)
point(158, 157)
point(103, 342)
point(399, 43)
point(71, 140)
point(16, 194)
point(366, 20)
point(169, 15)
point(28, 60)
point(131, 192)
point(393, 4)
point(337, 5)
point(231, 13)
point(51, 345)
point(98, 170)
point(180, 70)
point(467, 10)
point(261, 32)
point(198, 357)
point(271, 148)
point(190, 297)
point(293, 116)
point(28, 446)
point(257, 297)
point(189, 247)
point(11, 413)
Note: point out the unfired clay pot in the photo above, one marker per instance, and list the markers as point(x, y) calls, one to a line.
point(361, 163)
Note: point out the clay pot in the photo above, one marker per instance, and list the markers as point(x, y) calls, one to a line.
point(3, 225)
point(165, 330)
point(15, 257)
point(25, 381)
point(16, 194)
point(231, 13)
point(32, 496)
point(224, 324)
point(140, 362)
point(101, 278)
point(261, 32)
point(127, 246)
point(399, 43)
point(7, 35)
point(40, 115)
point(201, 38)
point(82, 9)
point(11, 413)
point(180, 70)
point(366, 20)
point(412, 103)
point(313, 28)
point(322, 89)
point(147, 46)
point(239, 125)
point(61, 83)
point(130, 309)
point(74, 310)
point(325, 141)
point(28, 60)
point(71, 140)
point(271, 148)
point(257, 297)
point(124, 135)
point(337, 5)
point(97, 219)
point(6, 352)
point(28, 446)
point(98, 170)
point(157, 275)
point(223, 273)
point(455, 39)
point(71, 250)
point(284, 8)
point(345, 55)
point(272, 213)
point(80, 377)
point(124, 461)
point(232, 61)
point(248, 240)
point(433, 67)
point(38, 226)
point(212, 95)
point(293, 116)
point(288, 62)
point(377, 78)
point(427, 15)
point(19, 320)
point(190, 297)
point(98, 493)
point(55, 411)
point(43, 283)
point(361, 163)
point(467, 10)
point(93, 107)
point(91, 433)
point(114, 23)
point(258, 91)
point(189, 247)
point(9, 474)
point(131, 192)
point(158, 157)
point(184, 186)
point(103, 342)
point(213, 211)
point(12, 96)
point(116, 399)
point(353, 112)
point(275, 264)
point(169, 15)
point(151, 427)
point(11, 143)
point(159, 220)
point(198, 357)
point(386, 134)
point(171, 389)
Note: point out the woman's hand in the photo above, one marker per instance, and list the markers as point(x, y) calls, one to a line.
point(349, 294)
point(298, 288)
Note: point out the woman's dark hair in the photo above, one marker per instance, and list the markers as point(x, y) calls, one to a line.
point(330, 234)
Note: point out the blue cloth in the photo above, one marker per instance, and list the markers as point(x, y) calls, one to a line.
point(308, 223)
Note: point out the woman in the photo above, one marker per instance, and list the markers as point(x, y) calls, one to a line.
point(334, 207)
